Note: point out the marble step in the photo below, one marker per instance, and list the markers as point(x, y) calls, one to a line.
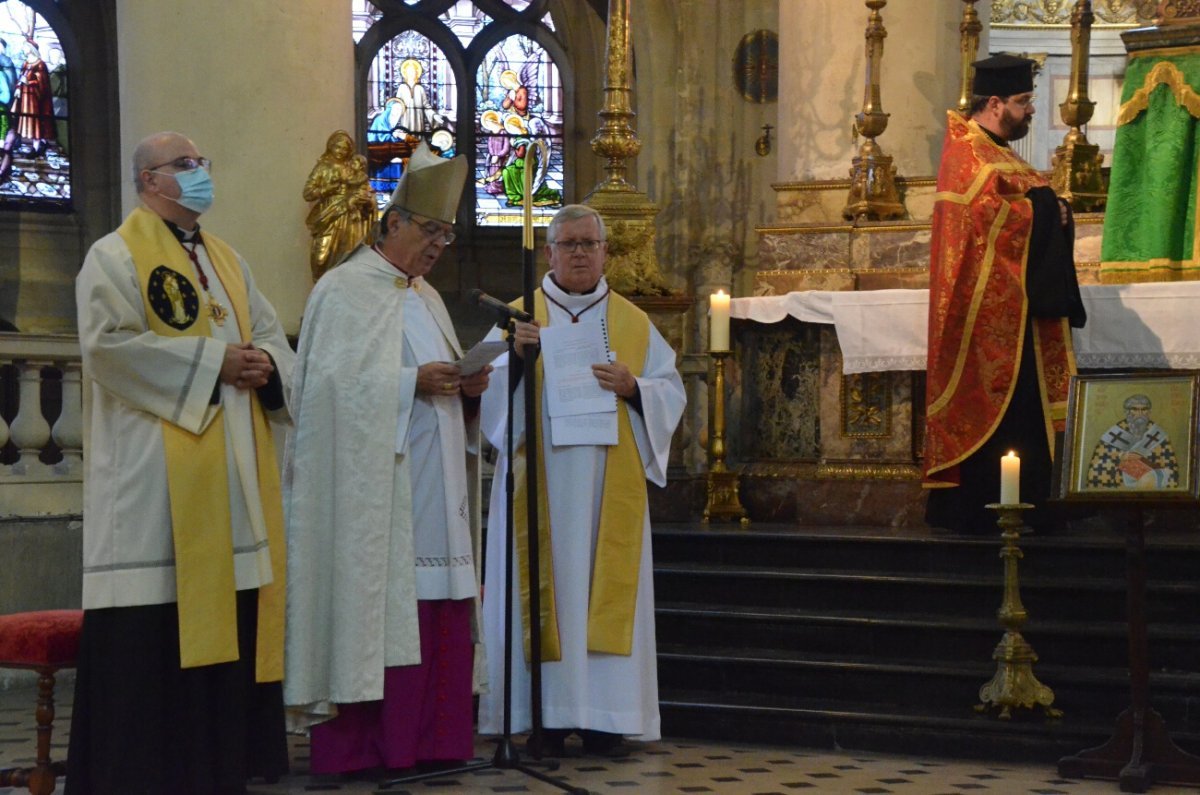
point(1174, 555)
point(960, 593)
point(944, 687)
point(908, 729)
point(896, 634)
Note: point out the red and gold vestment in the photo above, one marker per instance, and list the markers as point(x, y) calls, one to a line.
point(977, 302)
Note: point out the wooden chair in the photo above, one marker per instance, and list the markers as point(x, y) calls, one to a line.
point(44, 641)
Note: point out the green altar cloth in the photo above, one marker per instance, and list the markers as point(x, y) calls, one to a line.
point(1150, 221)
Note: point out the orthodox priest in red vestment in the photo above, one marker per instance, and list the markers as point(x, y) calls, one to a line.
point(1002, 291)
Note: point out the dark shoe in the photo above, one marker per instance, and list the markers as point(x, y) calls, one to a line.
point(553, 745)
point(605, 744)
point(440, 765)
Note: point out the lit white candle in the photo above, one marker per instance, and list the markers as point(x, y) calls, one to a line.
point(718, 322)
point(1010, 479)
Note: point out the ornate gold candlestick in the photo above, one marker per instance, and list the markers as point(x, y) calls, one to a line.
point(968, 46)
point(632, 266)
point(1076, 168)
point(873, 191)
point(723, 503)
point(1014, 684)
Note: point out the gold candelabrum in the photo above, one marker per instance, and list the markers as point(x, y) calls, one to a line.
point(1014, 684)
point(1076, 167)
point(723, 504)
point(616, 139)
point(632, 266)
point(873, 192)
point(968, 47)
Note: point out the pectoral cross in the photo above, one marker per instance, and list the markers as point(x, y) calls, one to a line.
point(217, 312)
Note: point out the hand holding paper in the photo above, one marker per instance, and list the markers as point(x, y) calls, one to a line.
point(616, 377)
point(484, 353)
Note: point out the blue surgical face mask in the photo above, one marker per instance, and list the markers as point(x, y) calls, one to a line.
point(195, 189)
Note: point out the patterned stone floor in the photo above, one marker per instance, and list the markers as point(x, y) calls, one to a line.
point(670, 766)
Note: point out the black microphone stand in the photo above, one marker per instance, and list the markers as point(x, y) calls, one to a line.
point(506, 756)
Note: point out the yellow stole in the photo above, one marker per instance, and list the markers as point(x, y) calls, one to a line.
point(617, 564)
point(196, 470)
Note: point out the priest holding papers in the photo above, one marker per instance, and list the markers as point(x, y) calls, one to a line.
point(381, 498)
point(610, 401)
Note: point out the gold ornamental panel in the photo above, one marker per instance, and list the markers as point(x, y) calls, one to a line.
point(852, 470)
point(1058, 12)
point(1179, 10)
point(866, 406)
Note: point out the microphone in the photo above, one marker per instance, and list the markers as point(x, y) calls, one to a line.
point(481, 298)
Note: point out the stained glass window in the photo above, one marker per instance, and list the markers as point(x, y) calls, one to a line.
point(519, 106)
point(35, 165)
point(412, 94)
point(362, 16)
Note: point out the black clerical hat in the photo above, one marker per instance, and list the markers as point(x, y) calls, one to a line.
point(1003, 76)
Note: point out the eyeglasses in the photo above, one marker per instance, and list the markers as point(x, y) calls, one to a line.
point(186, 164)
point(1025, 102)
point(432, 229)
point(571, 246)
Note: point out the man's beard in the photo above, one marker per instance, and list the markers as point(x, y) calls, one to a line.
point(1139, 425)
point(1014, 130)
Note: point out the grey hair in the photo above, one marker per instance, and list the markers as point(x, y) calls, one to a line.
point(1137, 400)
point(573, 212)
point(145, 152)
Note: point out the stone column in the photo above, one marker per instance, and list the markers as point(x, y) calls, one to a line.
point(258, 85)
point(821, 72)
point(698, 163)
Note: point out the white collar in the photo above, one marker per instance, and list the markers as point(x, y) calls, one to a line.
point(573, 301)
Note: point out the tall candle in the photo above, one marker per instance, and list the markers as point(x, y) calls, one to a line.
point(1010, 479)
point(718, 322)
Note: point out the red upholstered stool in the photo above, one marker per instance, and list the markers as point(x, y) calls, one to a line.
point(43, 641)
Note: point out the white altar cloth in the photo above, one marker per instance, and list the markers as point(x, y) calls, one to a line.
point(1155, 324)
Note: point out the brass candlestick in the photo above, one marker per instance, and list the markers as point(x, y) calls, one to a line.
point(723, 503)
point(873, 193)
point(1076, 168)
point(968, 47)
point(632, 265)
point(1014, 684)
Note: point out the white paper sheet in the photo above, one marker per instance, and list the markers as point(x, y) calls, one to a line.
point(584, 429)
point(483, 354)
point(568, 353)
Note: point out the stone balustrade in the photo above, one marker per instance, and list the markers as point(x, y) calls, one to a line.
point(41, 425)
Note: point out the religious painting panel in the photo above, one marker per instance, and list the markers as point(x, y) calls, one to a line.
point(412, 95)
point(780, 417)
point(518, 112)
point(866, 420)
point(35, 155)
point(867, 405)
point(1131, 436)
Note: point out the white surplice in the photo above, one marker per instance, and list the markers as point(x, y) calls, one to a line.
point(605, 692)
point(135, 379)
point(380, 486)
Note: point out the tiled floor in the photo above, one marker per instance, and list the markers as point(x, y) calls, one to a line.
point(670, 766)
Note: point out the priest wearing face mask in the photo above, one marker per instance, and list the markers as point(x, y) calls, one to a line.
point(178, 685)
point(381, 495)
